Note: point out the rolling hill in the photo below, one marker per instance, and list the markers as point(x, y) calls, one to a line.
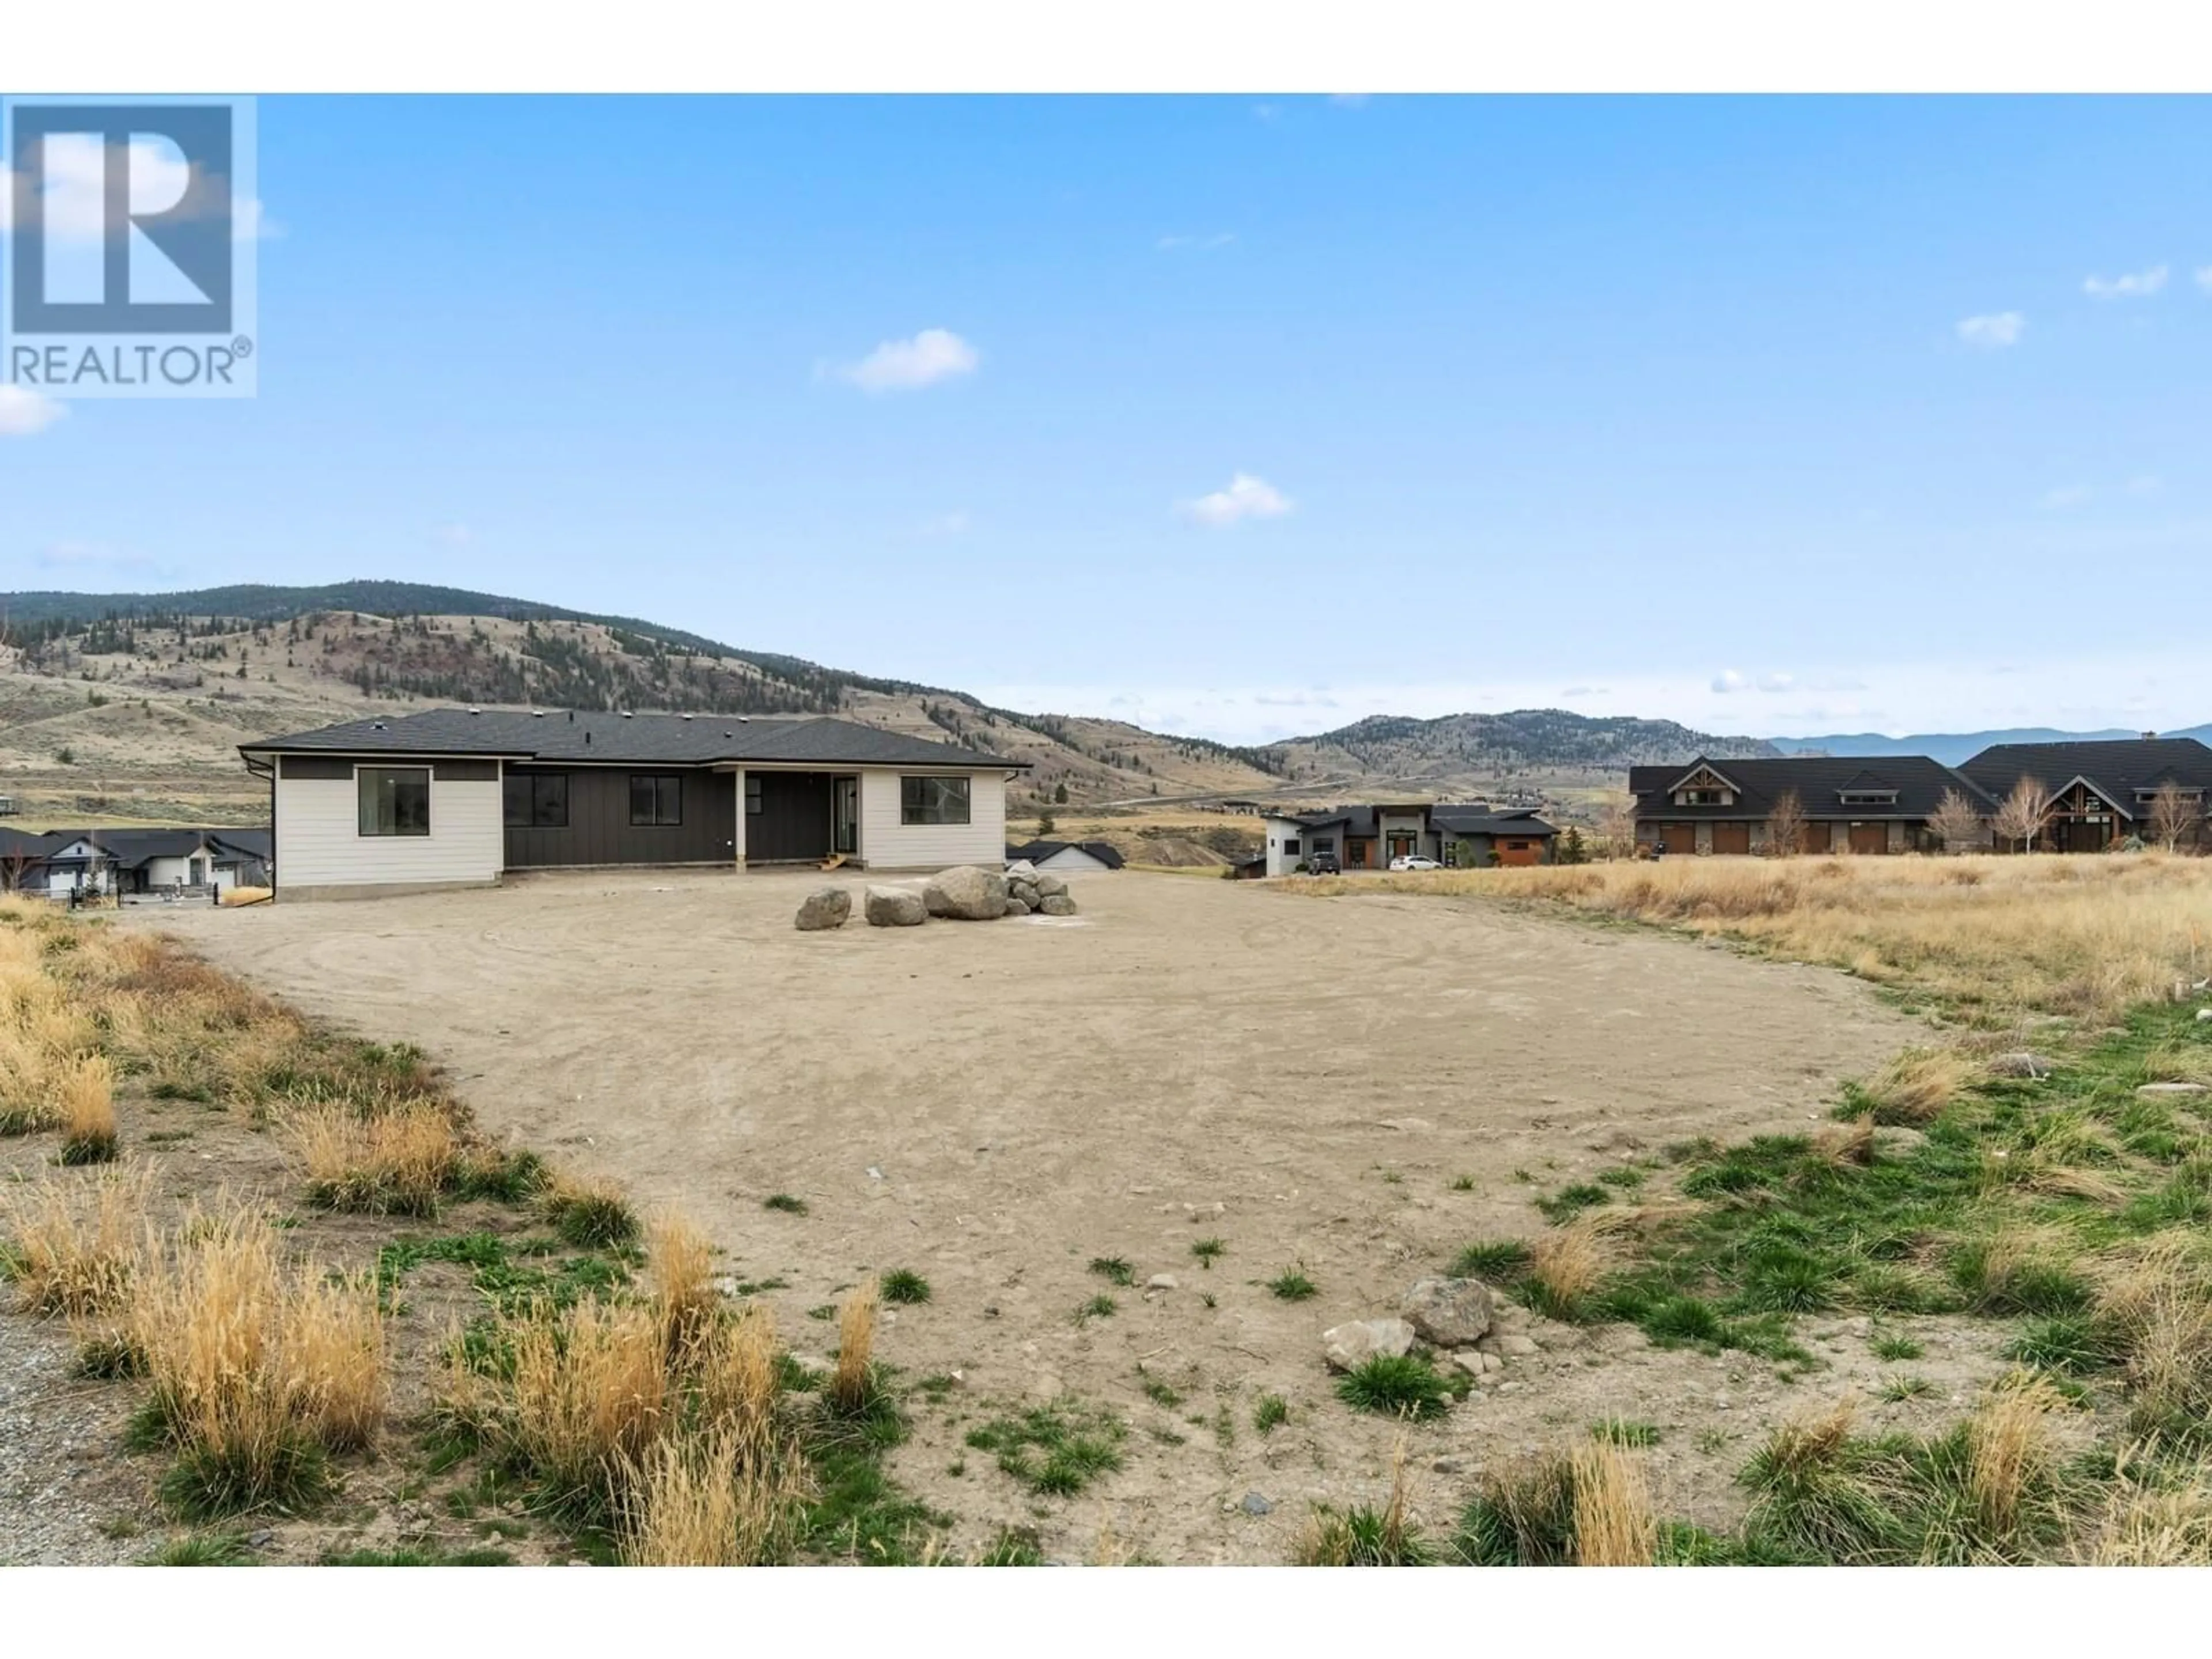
point(133, 704)
point(1953, 747)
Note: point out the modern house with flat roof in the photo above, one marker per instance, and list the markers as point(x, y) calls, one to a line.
point(1368, 837)
point(460, 797)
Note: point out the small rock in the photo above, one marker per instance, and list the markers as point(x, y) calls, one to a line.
point(1470, 1361)
point(1163, 1282)
point(894, 907)
point(1346, 1347)
point(259, 1538)
point(2204, 1014)
point(1509, 1388)
point(1449, 1465)
point(1049, 886)
point(1449, 1312)
point(1018, 905)
point(825, 907)
point(1255, 1505)
point(1515, 1343)
point(2021, 1063)
point(1895, 1140)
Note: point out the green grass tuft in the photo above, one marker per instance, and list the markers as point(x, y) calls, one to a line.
point(1396, 1385)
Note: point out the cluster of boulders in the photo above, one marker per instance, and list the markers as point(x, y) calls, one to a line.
point(1454, 1317)
point(965, 893)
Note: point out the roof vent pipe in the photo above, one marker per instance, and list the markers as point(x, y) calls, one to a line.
point(572, 717)
point(2150, 737)
point(588, 737)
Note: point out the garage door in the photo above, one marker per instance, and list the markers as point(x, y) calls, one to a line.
point(1679, 837)
point(1731, 838)
point(1815, 838)
point(1869, 838)
point(1518, 851)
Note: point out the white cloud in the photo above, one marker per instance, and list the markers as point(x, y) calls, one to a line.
point(1348, 100)
point(933, 354)
point(1247, 497)
point(2057, 501)
point(2204, 277)
point(1777, 682)
point(1218, 239)
point(2135, 285)
point(1992, 333)
point(23, 412)
point(1728, 680)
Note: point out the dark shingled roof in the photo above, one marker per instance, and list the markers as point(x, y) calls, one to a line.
point(1819, 781)
point(2117, 767)
point(1037, 851)
point(640, 739)
point(1485, 821)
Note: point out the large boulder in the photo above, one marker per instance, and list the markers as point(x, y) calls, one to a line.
point(966, 893)
point(825, 907)
point(1056, 904)
point(1452, 1313)
point(1048, 884)
point(1348, 1347)
point(895, 907)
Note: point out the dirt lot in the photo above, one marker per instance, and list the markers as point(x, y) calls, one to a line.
point(995, 1105)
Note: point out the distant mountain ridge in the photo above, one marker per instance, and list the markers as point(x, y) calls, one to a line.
point(1452, 750)
point(1950, 748)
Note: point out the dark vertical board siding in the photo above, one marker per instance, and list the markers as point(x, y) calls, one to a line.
point(600, 830)
point(794, 821)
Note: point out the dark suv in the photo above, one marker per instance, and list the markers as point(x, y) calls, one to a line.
point(1323, 863)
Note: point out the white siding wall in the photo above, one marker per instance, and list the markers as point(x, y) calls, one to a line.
point(887, 844)
point(320, 843)
point(1280, 833)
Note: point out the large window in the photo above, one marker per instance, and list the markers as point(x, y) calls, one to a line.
point(395, 800)
point(656, 799)
point(933, 800)
point(536, 800)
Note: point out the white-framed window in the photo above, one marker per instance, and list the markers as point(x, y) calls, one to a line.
point(394, 800)
point(934, 800)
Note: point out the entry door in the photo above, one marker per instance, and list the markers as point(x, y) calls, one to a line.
point(1401, 847)
point(847, 824)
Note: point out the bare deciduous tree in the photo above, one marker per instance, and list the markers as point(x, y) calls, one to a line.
point(1785, 826)
point(2174, 815)
point(2018, 817)
point(1955, 820)
point(1616, 829)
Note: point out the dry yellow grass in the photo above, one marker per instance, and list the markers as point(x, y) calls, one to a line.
point(734, 1376)
point(1917, 1084)
point(588, 1393)
point(2008, 1452)
point(679, 1267)
point(2148, 1520)
point(2159, 1305)
point(1569, 1262)
point(1614, 1524)
point(2075, 935)
point(253, 1364)
point(852, 1380)
point(707, 1502)
point(75, 1245)
point(399, 1162)
point(84, 1090)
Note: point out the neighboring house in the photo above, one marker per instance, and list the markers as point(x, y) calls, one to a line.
point(1369, 837)
point(130, 861)
point(2103, 792)
point(1067, 857)
point(458, 797)
point(1844, 803)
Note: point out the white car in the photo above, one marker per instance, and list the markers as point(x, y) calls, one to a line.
point(1414, 861)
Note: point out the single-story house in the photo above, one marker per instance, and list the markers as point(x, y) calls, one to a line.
point(128, 861)
point(1369, 837)
point(1067, 858)
point(2104, 792)
point(460, 797)
point(2099, 794)
point(1842, 803)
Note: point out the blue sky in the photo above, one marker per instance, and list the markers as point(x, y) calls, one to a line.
point(1243, 416)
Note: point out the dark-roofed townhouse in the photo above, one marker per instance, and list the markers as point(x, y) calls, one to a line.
point(457, 797)
point(1832, 804)
point(2105, 792)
